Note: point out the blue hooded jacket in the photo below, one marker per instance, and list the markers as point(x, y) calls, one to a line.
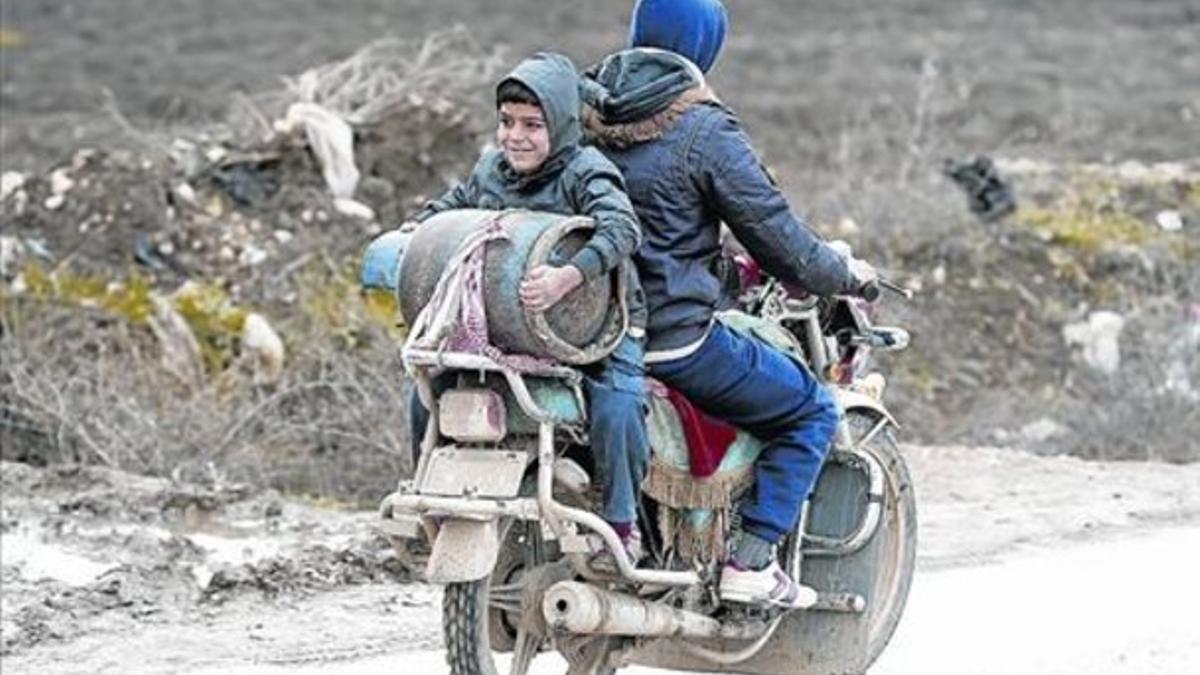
point(689, 167)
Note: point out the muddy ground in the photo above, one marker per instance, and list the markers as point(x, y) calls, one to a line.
point(110, 572)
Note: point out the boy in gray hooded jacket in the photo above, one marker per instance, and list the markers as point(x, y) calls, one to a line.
point(540, 165)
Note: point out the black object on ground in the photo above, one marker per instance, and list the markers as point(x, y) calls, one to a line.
point(248, 183)
point(988, 195)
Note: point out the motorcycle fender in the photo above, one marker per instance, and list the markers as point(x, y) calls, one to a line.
point(465, 550)
point(849, 400)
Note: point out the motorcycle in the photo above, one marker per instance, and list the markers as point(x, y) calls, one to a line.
point(501, 511)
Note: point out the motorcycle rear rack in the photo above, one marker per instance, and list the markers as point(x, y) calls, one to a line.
point(560, 519)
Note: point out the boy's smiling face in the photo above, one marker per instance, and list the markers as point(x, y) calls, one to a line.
point(523, 136)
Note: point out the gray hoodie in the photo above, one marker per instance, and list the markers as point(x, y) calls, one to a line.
point(574, 180)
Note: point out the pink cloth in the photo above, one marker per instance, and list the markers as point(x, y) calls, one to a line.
point(455, 319)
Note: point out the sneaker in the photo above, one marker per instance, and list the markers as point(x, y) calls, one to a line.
point(768, 586)
point(604, 561)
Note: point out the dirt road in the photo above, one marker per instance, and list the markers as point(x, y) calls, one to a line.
point(1120, 606)
point(110, 573)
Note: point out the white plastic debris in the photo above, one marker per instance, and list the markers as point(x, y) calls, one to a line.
point(261, 340)
point(332, 141)
point(1170, 220)
point(9, 182)
point(186, 193)
point(1099, 337)
point(54, 202)
point(251, 255)
point(12, 250)
point(354, 208)
point(186, 157)
point(283, 236)
point(214, 154)
point(61, 182)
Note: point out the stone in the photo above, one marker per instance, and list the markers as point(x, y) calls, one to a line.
point(1169, 220)
point(1042, 430)
point(10, 181)
point(1099, 337)
point(61, 182)
point(265, 346)
point(251, 255)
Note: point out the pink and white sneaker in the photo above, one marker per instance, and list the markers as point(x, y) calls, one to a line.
point(604, 561)
point(768, 586)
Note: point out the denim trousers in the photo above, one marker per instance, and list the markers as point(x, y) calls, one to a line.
point(615, 388)
point(755, 387)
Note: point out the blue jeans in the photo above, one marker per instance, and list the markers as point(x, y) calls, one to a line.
point(615, 389)
point(755, 387)
point(616, 392)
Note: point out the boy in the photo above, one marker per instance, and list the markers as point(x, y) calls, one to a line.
point(540, 165)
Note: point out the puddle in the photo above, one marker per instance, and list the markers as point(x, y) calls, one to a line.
point(36, 560)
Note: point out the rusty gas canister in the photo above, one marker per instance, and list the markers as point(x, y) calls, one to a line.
point(584, 327)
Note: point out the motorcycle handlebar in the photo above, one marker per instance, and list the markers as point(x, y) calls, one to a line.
point(871, 290)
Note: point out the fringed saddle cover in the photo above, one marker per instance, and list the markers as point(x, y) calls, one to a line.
point(698, 507)
point(699, 465)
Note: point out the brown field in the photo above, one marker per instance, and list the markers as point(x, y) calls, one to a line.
point(1061, 79)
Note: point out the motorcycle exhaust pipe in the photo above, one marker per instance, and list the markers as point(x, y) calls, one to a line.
point(586, 610)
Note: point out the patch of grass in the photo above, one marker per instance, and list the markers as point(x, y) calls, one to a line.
point(215, 321)
point(340, 311)
point(128, 298)
point(210, 314)
point(1083, 226)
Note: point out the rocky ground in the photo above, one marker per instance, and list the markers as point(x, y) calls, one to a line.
point(176, 167)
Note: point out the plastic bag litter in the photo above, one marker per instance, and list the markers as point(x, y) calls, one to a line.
point(332, 141)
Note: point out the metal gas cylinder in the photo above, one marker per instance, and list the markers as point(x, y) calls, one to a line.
point(584, 327)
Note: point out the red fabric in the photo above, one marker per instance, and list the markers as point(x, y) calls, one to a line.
point(708, 438)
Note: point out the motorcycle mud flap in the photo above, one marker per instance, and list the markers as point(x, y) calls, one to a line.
point(465, 550)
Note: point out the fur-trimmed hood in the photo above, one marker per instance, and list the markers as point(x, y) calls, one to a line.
point(623, 135)
point(636, 95)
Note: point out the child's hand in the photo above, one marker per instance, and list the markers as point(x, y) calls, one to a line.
point(545, 285)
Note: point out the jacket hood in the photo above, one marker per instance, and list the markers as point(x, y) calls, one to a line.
point(693, 28)
point(635, 84)
point(638, 94)
point(555, 82)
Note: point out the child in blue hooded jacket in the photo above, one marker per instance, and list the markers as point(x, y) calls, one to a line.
point(540, 165)
point(690, 167)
